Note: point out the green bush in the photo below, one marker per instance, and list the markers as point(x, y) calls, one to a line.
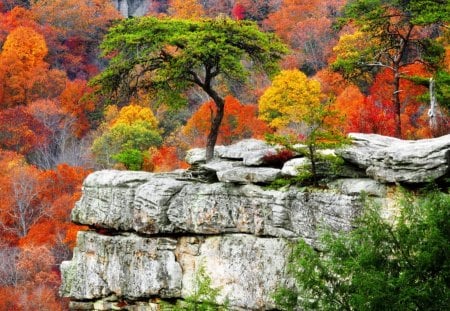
point(204, 297)
point(401, 264)
point(131, 158)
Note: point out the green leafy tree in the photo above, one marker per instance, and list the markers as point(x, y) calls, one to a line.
point(131, 158)
point(169, 56)
point(123, 141)
point(297, 102)
point(397, 33)
point(401, 264)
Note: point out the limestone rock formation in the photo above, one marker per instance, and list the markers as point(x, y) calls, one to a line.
point(150, 233)
point(390, 159)
point(132, 8)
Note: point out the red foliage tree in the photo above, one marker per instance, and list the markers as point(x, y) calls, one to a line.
point(20, 132)
point(238, 11)
point(166, 159)
point(414, 120)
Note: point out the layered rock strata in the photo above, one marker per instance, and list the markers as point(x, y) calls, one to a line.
point(151, 233)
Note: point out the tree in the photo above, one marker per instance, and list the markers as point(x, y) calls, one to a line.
point(21, 63)
point(127, 137)
point(20, 131)
point(414, 119)
point(297, 102)
point(186, 9)
point(239, 122)
point(396, 34)
point(75, 103)
point(168, 57)
point(306, 25)
point(396, 264)
point(22, 210)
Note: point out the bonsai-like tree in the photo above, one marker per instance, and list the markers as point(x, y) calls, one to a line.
point(169, 56)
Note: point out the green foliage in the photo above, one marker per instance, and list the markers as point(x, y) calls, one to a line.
point(388, 28)
point(131, 158)
point(204, 297)
point(420, 12)
point(168, 56)
point(442, 87)
point(401, 264)
point(114, 143)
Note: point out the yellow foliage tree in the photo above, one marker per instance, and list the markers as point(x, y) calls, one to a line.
point(291, 96)
point(186, 9)
point(131, 114)
point(125, 136)
point(297, 102)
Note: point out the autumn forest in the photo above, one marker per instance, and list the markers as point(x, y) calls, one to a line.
point(78, 94)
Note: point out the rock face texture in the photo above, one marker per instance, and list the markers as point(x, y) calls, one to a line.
point(152, 233)
point(132, 8)
point(390, 159)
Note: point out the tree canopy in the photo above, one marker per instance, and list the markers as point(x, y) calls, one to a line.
point(393, 35)
point(169, 56)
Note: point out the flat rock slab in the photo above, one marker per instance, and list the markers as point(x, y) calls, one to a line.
point(247, 175)
point(391, 160)
point(358, 186)
point(250, 151)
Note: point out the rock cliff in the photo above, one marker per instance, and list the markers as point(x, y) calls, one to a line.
point(132, 8)
point(151, 233)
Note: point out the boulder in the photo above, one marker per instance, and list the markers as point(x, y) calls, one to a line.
point(198, 155)
point(358, 186)
point(390, 159)
point(250, 151)
point(291, 167)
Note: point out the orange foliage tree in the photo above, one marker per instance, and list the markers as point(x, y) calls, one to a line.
point(39, 280)
point(21, 63)
point(363, 114)
point(306, 26)
point(239, 122)
point(75, 103)
point(187, 9)
point(165, 159)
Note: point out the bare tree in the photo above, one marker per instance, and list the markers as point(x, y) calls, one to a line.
point(8, 272)
point(24, 211)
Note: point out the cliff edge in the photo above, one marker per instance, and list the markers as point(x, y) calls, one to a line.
point(150, 234)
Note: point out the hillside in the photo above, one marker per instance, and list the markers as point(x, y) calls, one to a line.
point(133, 85)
